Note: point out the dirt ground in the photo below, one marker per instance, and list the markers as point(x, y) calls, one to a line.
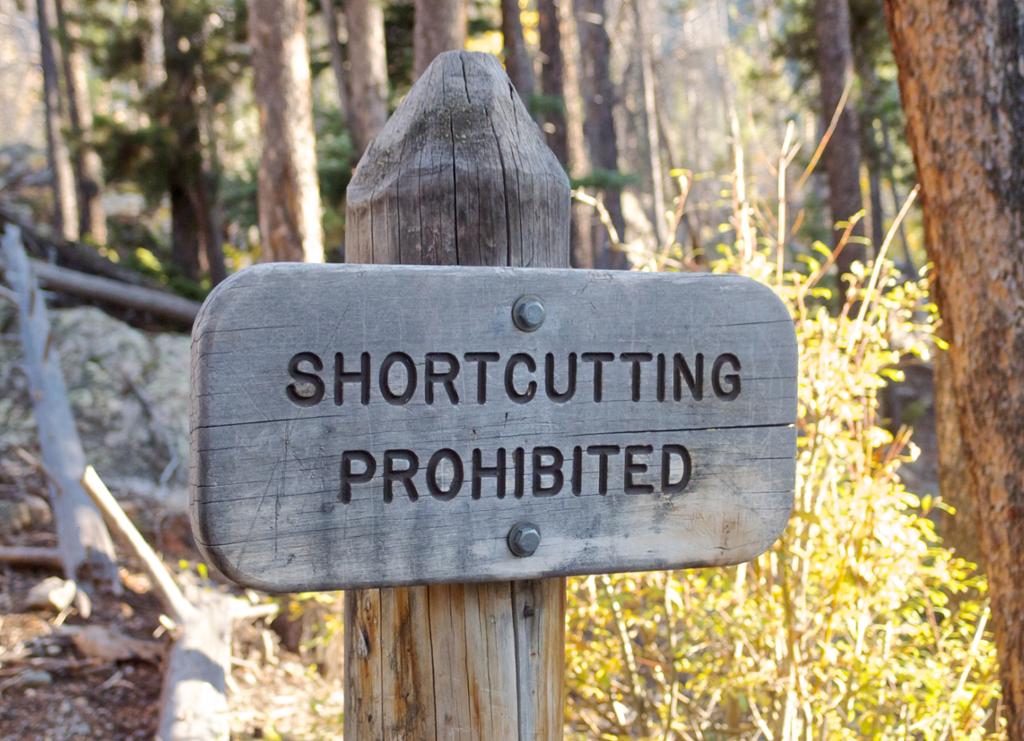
point(50, 689)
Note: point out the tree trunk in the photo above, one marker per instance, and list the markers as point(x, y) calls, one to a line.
point(289, 195)
point(842, 155)
point(551, 85)
point(560, 81)
point(185, 186)
point(962, 85)
point(92, 218)
point(440, 25)
point(517, 56)
point(65, 210)
point(208, 189)
point(368, 71)
point(457, 660)
point(653, 141)
point(599, 122)
point(337, 57)
point(153, 71)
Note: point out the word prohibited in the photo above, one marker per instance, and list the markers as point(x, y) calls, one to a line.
point(383, 425)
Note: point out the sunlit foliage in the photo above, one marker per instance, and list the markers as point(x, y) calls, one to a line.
point(859, 622)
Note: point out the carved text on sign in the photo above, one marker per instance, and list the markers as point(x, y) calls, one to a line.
point(385, 425)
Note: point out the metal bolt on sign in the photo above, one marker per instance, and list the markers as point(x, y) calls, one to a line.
point(523, 539)
point(528, 313)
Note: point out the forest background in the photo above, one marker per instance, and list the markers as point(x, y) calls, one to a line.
point(793, 141)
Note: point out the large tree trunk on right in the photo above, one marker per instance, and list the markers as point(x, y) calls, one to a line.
point(599, 121)
point(842, 155)
point(440, 25)
point(289, 194)
point(368, 71)
point(65, 216)
point(962, 85)
point(92, 217)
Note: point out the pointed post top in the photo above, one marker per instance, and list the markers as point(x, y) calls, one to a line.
point(460, 174)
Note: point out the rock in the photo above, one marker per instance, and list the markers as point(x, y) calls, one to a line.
point(129, 396)
point(34, 678)
point(98, 642)
point(52, 592)
point(17, 515)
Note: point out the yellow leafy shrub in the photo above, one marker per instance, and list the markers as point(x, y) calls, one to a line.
point(858, 623)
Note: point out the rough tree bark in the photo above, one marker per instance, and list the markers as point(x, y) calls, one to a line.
point(460, 175)
point(65, 216)
point(289, 195)
point(842, 156)
point(88, 169)
point(440, 25)
point(368, 71)
point(599, 121)
point(517, 56)
point(962, 84)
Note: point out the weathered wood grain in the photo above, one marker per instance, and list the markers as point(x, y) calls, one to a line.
point(268, 502)
point(482, 685)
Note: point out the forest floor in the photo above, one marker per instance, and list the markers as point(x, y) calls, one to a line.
point(54, 687)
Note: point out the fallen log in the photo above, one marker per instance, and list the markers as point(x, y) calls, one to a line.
point(73, 255)
point(95, 288)
point(31, 556)
point(78, 270)
point(84, 545)
point(194, 699)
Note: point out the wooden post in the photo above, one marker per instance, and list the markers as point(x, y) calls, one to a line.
point(460, 175)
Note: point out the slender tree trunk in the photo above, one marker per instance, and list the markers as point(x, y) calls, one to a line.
point(895, 195)
point(653, 141)
point(870, 146)
point(65, 211)
point(209, 190)
point(368, 71)
point(440, 25)
point(842, 156)
point(560, 81)
point(88, 169)
point(153, 72)
point(181, 40)
point(517, 56)
point(551, 85)
point(599, 121)
point(337, 57)
point(582, 234)
point(962, 85)
point(289, 196)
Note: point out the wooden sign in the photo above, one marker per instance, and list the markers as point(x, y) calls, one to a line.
point(370, 425)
